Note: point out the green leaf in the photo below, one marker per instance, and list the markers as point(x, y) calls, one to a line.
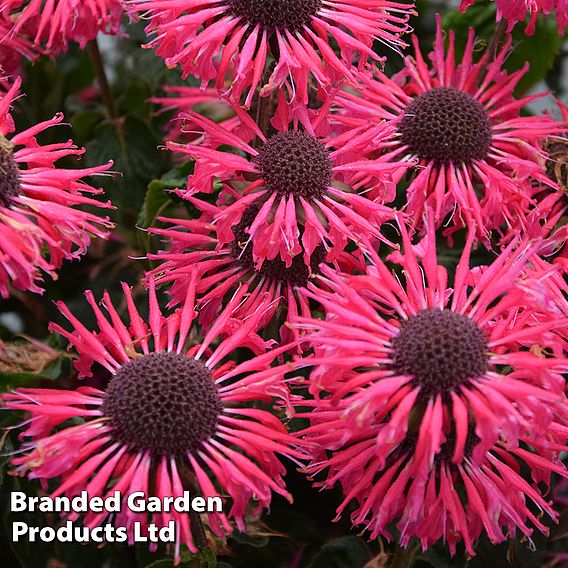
point(539, 50)
point(85, 122)
point(345, 552)
point(133, 145)
point(207, 558)
point(158, 198)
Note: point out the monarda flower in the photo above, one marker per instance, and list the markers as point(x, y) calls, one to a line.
point(185, 99)
point(421, 389)
point(38, 204)
point(291, 186)
point(513, 11)
point(549, 215)
point(479, 157)
point(452, 500)
point(274, 289)
point(235, 39)
point(12, 47)
point(177, 415)
point(53, 24)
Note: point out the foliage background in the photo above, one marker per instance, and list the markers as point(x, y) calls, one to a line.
point(292, 536)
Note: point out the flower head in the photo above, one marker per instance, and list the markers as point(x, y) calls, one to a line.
point(451, 501)
point(422, 388)
point(513, 11)
point(469, 355)
point(479, 158)
point(274, 289)
point(292, 186)
point(176, 415)
point(38, 204)
point(53, 25)
point(212, 39)
point(12, 47)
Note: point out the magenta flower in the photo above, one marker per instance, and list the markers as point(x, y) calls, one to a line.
point(233, 40)
point(479, 158)
point(450, 500)
point(446, 348)
point(514, 11)
point(291, 187)
point(184, 100)
point(421, 388)
point(12, 47)
point(53, 25)
point(38, 204)
point(176, 415)
point(274, 289)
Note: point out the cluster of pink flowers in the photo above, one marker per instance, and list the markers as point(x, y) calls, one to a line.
point(436, 397)
point(513, 11)
point(39, 203)
point(32, 27)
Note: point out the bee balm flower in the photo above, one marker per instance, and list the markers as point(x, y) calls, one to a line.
point(53, 25)
point(292, 187)
point(513, 11)
point(209, 39)
point(177, 415)
point(38, 204)
point(430, 398)
point(480, 161)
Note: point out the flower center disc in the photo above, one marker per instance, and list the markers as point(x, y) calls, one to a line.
point(440, 349)
point(163, 402)
point(290, 15)
point(446, 125)
point(9, 176)
point(297, 163)
point(275, 270)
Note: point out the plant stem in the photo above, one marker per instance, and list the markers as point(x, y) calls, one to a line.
point(99, 69)
point(404, 557)
point(497, 40)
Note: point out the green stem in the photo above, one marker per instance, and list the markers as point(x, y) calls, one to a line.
point(99, 69)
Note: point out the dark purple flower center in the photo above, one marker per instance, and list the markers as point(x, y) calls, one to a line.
point(290, 15)
point(446, 125)
point(440, 349)
point(10, 185)
point(163, 402)
point(295, 163)
point(447, 449)
point(295, 275)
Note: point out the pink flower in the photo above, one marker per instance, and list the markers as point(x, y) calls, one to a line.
point(12, 47)
point(176, 415)
point(221, 268)
point(421, 388)
point(450, 501)
point(53, 24)
point(548, 215)
point(479, 158)
point(294, 181)
point(221, 39)
point(38, 204)
point(514, 11)
point(184, 100)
